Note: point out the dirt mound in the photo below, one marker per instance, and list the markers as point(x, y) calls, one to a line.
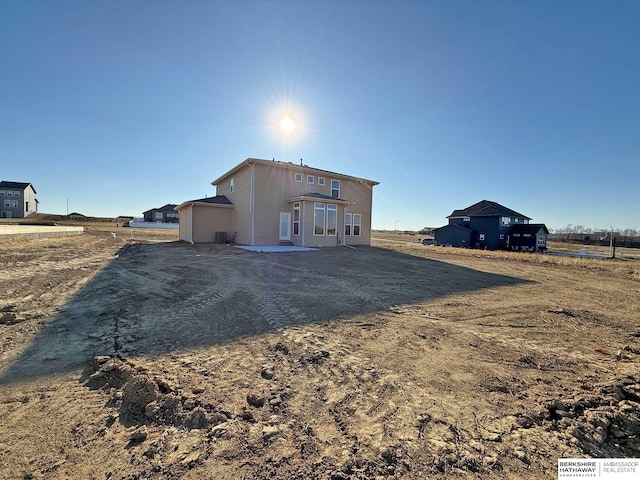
point(143, 399)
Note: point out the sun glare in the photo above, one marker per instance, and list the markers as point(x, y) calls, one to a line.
point(287, 125)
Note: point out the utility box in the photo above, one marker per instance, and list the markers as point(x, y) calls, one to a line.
point(221, 237)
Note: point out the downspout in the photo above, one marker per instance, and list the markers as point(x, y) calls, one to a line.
point(303, 222)
point(252, 205)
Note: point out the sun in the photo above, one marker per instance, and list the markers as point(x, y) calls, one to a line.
point(287, 125)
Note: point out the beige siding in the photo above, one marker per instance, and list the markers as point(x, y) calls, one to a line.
point(207, 220)
point(185, 223)
point(360, 194)
point(261, 190)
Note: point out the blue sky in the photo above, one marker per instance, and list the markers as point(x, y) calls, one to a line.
point(122, 106)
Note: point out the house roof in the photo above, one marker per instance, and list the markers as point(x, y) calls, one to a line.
point(169, 207)
point(17, 185)
point(218, 200)
point(318, 196)
point(459, 227)
point(289, 165)
point(487, 208)
point(531, 228)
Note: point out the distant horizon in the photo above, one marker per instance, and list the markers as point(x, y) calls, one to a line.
point(584, 230)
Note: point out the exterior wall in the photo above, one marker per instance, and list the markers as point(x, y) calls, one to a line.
point(256, 217)
point(29, 201)
point(185, 224)
point(241, 229)
point(207, 220)
point(362, 195)
point(456, 237)
point(10, 211)
point(489, 226)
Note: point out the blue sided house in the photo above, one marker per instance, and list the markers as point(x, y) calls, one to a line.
point(489, 225)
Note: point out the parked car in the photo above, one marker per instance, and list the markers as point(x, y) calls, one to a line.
point(427, 241)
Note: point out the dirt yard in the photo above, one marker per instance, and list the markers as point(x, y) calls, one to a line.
point(137, 357)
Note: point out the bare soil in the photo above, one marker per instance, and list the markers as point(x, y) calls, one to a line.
point(127, 355)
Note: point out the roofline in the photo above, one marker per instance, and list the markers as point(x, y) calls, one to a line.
point(205, 204)
point(28, 184)
point(289, 165)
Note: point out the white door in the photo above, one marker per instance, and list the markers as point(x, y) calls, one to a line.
point(285, 226)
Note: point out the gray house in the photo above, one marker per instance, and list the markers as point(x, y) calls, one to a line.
point(166, 214)
point(487, 225)
point(17, 199)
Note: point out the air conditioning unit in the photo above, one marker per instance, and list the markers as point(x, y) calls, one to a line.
point(221, 237)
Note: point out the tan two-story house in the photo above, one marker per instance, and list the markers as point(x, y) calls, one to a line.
point(267, 202)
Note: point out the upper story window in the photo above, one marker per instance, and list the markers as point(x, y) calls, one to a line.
point(298, 177)
point(506, 220)
point(3, 193)
point(231, 185)
point(158, 215)
point(320, 180)
point(466, 219)
point(310, 179)
point(335, 188)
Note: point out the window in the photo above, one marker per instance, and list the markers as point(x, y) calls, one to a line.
point(506, 220)
point(173, 215)
point(332, 219)
point(310, 179)
point(296, 219)
point(335, 188)
point(7, 203)
point(541, 241)
point(481, 236)
point(298, 177)
point(347, 224)
point(157, 215)
point(9, 193)
point(466, 219)
point(356, 224)
point(526, 235)
point(320, 180)
point(3, 192)
point(318, 218)
point(231, 185)
point(516, 235)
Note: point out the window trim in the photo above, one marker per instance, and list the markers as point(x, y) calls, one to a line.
point(231, 185)
point(296, 223)
point(333, 208)
point(357, 223)
point(347, 223)
point(337, 195)
point(297, 178)
point(321, 181)
point(312, 178)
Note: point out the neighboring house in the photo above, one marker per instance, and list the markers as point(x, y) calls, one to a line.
point(488, 225)
point(265, 202)
point(531, 237)
point(17, 199)
point(166, 214)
